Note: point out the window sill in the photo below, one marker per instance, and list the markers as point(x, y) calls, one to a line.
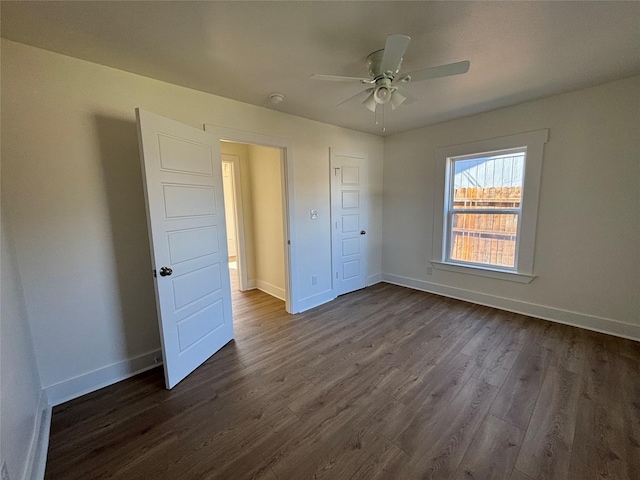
point(483, 272)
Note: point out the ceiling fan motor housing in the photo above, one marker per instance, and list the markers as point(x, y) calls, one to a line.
point(374, 62)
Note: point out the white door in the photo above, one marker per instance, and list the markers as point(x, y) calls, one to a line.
point(349, 202)
point(229, 207)
point(185, 212)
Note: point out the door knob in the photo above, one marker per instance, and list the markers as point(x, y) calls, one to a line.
point(362, 232)
point(165, 271)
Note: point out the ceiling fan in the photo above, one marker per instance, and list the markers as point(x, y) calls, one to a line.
point(384, 66)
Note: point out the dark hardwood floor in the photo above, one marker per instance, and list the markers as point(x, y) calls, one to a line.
point(383, 383)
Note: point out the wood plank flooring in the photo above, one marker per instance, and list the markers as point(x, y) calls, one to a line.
point(384, 383)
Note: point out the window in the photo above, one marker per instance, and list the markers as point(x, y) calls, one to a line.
point(486, 206)
point(483, 208)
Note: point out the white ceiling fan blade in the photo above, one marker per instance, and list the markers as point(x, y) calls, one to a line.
point(370, 101)
point(357, 96)
point(393, 52)
point(338, 78)
point(436, 72)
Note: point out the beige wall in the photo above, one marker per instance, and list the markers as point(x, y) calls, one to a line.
point(71, 173)
point(268, 226)
point(587, 260)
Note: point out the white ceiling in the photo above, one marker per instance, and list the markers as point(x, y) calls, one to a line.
point(519, 51)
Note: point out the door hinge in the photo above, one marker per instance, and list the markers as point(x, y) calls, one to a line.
point(288, 242)
point(155, 275)
point(335, 171)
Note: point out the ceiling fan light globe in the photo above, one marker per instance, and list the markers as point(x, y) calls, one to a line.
point(382, 94)
point(370, 102)
point(397, 99)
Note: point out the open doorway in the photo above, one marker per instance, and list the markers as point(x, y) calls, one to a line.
point(230, 175)
point(254, 194)
point(283, 146)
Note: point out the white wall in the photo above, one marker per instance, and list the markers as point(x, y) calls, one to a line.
point(587, 260)
point(70, 157)
point(268, 226)
point(20, 390)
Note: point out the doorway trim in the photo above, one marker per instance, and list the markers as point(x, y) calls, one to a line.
point(286, 162)
point(236, 173)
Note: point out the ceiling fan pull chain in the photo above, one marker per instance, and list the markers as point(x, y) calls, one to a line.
point(383, 127)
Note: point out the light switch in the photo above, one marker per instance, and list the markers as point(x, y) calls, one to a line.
point(314, 214)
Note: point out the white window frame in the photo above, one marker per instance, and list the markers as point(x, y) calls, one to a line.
point(533, 144)
point(449, 211)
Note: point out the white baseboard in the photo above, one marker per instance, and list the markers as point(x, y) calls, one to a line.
point(312, 301)
point(92, 381)
point(271, 289)
point(37, 458)
point(589, 322)
point(373, 279)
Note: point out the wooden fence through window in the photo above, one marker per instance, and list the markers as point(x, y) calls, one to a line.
point(486, 238)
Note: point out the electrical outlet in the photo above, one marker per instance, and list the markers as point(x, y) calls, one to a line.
point(314, 279)
point(4, 471)
point(429, 270)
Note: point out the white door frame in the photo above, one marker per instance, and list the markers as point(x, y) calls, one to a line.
point(286, 163)
point(236, 175)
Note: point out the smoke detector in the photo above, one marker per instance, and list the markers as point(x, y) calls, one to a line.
point(276, 98)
